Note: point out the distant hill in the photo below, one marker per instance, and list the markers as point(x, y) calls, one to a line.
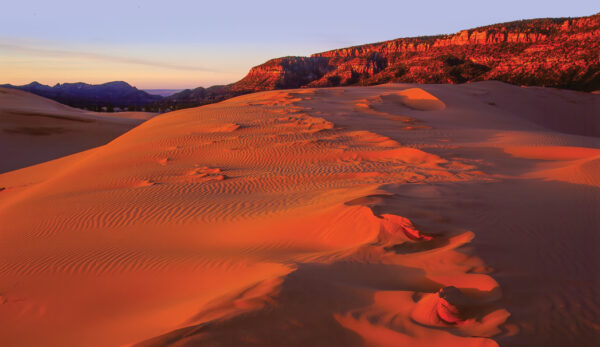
point(92, 96)
point(162, 92)
point(196, 97)
point(551, 52)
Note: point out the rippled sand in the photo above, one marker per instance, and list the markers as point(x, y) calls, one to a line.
point(380, 216)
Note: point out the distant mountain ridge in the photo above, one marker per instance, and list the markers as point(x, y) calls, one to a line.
point(82, 95)
point(162, 92)
point(551, 52)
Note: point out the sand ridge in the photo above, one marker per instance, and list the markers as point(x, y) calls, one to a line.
point(35, 129)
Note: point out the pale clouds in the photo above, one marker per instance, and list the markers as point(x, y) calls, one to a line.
point(43, 52)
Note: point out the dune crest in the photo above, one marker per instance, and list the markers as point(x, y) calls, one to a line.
point(393, 103)
point(419, 99)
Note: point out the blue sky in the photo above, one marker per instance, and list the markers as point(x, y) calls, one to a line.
point(182, 44)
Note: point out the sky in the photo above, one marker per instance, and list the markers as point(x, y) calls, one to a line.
point(185, 44)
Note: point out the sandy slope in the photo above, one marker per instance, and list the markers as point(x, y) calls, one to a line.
point(381, 216)
point(34, 129)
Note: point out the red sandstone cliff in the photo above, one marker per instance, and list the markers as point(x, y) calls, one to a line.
point(281, 73)
point(548, 52)
point(553, 52)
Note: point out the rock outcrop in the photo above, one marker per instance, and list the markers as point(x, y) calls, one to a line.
point(284, 73)
point(563, 53)
point(552, 52)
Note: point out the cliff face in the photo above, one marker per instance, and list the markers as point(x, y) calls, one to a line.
point(282, 73)
point(553, 52)
point(546, 52)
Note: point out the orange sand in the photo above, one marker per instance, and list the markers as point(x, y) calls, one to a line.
point(313, 217)
point(34, 129)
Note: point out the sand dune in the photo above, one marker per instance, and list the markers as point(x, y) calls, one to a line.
point(312, 217)
point(35, 129)
point(413, 98)
point(419, 99)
